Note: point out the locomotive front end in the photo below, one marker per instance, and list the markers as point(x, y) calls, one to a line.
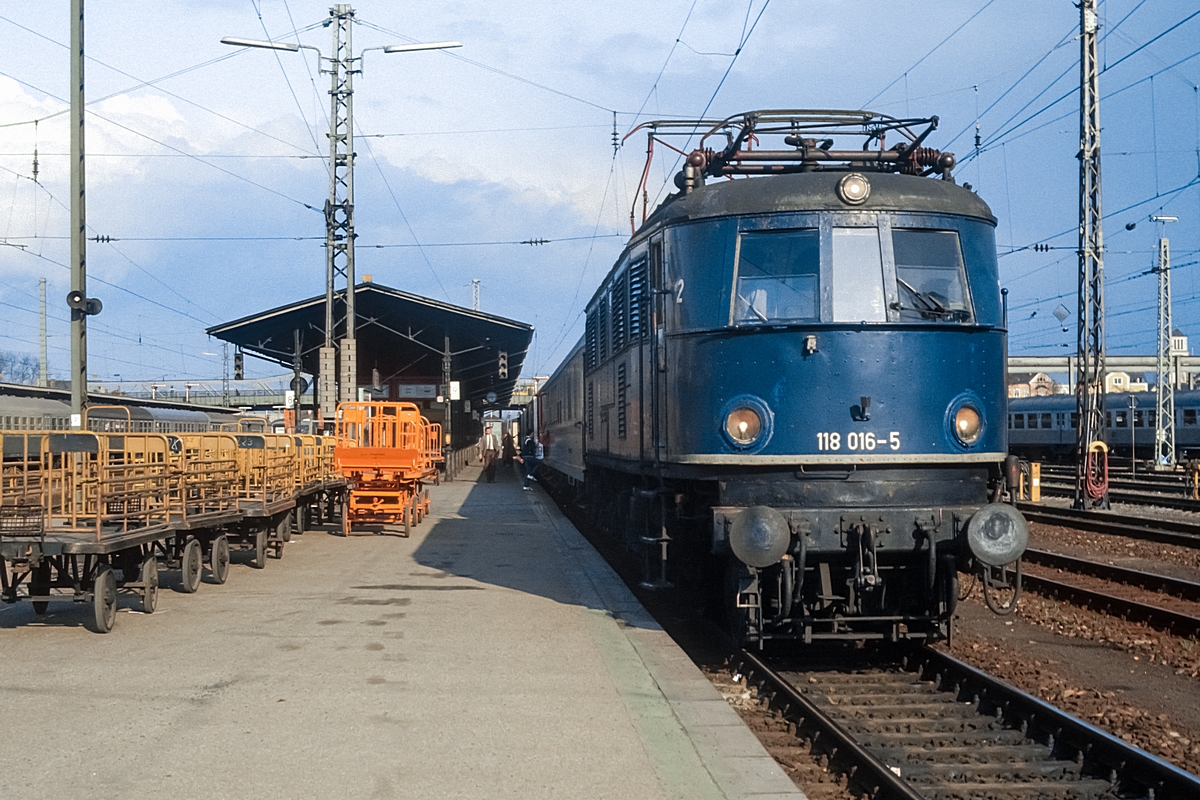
point(817, 380)
point(853, 405)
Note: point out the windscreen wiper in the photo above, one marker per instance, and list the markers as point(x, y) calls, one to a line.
point(933, 308)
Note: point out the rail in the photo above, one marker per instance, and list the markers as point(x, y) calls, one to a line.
point(1165, 531)
point(933, 726)
point(1106, 602)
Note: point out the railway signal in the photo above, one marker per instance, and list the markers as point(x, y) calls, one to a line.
point(502, 365)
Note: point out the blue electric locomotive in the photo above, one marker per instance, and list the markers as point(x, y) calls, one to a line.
point(798, 379)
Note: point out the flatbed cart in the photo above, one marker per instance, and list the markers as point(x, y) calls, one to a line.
point(203, 505)
point(76, 510)
point(202, 496)
point(320, 489)
point(266, 494)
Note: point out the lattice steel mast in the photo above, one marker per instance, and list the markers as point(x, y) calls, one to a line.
point(1091, 491)
point(339, 218)
point(1164, 420)
point(339, 207)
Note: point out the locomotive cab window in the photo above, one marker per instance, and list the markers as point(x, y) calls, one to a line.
point(857, 276)
point(930, 276)
point(778, 278)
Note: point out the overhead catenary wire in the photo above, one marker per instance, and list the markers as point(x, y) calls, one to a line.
point(150, 84)
point(300, 109)
point(488, 67)
point(404, 217)
point(570, 317)
point(988, 146)
point(1006, 132)
point(927, 55)
point(745, 37)
point(192, 156)
point(502, 242)
point(666, 61)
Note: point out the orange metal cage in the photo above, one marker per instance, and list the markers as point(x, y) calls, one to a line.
point(385, 451)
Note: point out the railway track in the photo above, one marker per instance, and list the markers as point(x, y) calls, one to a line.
point(1166, 531)
point(930, 726)
point(1115, 605)
point(1135, 497)
point(1162, 490)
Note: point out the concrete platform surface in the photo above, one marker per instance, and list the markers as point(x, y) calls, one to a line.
point(492, 655)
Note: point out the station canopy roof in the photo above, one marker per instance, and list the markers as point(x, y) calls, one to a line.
point(401, 335)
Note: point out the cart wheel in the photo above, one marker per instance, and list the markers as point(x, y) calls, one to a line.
point(301, 520)
point(39, 583)
point(408, 517)
point(189, 566)
point(149, 584)
point(346, 517)
point(219, 559)
point(284, 528)
point(104, 598)
point(260, 548)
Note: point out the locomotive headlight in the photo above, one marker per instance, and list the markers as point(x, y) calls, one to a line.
point(968, 425)
point(854, 189)
point(743, 425)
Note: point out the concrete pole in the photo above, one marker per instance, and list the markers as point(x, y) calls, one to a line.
point(448, 430)
point(78, 223)
point(43, 377)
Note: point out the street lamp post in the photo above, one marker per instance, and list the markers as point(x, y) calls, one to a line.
point(339, 207)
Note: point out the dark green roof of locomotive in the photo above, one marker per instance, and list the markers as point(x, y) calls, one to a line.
point(817, 191)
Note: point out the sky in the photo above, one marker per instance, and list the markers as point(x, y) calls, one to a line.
point(207, 167)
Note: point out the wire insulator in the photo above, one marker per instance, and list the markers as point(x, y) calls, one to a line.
point(926, 156)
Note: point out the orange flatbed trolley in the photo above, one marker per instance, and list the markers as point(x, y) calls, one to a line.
point(383, 451)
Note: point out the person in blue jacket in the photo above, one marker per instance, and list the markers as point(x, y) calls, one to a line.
point(531, 458)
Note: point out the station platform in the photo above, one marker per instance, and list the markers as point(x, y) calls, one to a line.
point(493, 654)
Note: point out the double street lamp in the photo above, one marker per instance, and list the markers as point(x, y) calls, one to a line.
point(339, 208)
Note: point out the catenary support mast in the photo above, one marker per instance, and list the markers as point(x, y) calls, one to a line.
point(1164, 418)
point(43, 369)
point(339, 218)
point(1091, 485)
point(78, 225)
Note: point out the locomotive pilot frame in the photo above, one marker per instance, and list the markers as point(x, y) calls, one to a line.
point(790, 391)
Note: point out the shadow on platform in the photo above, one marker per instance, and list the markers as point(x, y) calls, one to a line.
point(501, 537)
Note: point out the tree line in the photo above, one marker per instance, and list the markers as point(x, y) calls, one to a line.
point(18, 367)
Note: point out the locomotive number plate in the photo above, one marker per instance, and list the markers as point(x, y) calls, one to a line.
point(858, 441)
